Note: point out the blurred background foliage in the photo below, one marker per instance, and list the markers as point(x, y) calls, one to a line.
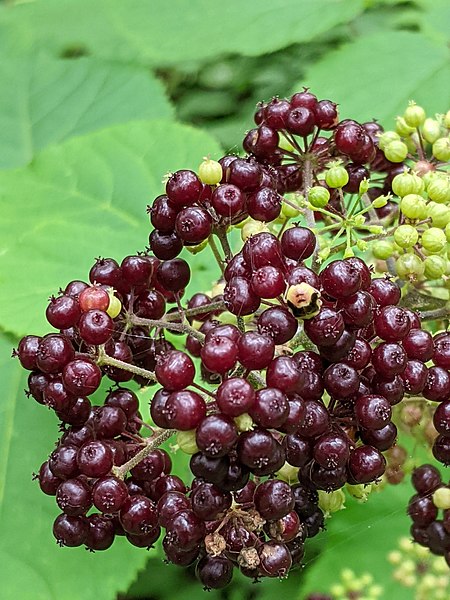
point(98, 101)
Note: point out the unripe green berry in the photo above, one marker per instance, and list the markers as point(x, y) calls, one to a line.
point(359, 220)
point(318, 196)
point(288, 211)
point(441, 498)
point(409, 266)
point(406, 236)
point(402, 127)
point(441, 149)
point(252, 228)
point(288, 473)
point(396, 151)
point(210, 171)
point(407, 183)
point(186, 441)
point(433, 240)
point(414, 115)
point(198, 248)
point(431, 130)
point(386, 138)
point(447, 119)
point(413, 207)
point(435, 266)
point(336, 176)
point(244, 422)
point(438, 190)
point(439, 214)
point(447, 232)
point(383, 249)
point(331, 502)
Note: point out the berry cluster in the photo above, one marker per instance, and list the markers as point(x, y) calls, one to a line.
point(431, 497)
point(284, 390)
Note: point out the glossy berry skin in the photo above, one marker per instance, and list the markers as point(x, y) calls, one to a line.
point(209, 502)
point(418, 345)
point(441, 354)
point(366, 464)
point(316, 420)
point(186, 530)
point(389, 359)
point(216, 435)
point(173, 275)
point(165, 245)
point(298, 243)
point(277, 323)
point(357, 310)
point(70, 531)
point(93, 298)
point(138, 515)
point(81, 377)
point(63, 312)
point(239, 297)
point(95, 327)
point(273, 499)
point(268, 282)
point(162, 214)
point(441, 418)
point(382, 439)
point(228, 200)
point(422, 510)
point(184, 410)
point(214, 572)
point(340, 279)
point(372, 411)
point(426, 479)
point(283, 374)
point(341, 380)
point(53, 353)
point(95, 459)
point(193, 225)
point(331, 450)
point(264, 204)
point(74, 497)
point(385, 292)
point(109, 494)
point(275, 559)
point(219, 354)
point(183, 188)
point(255, 351)
point(392, 324)
point(326, 328)
point(235, 396)
point(270, 409)
point(175, 370)
point(437, 385)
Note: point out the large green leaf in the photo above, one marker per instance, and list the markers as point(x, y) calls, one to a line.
point(375, 76)
point(32, 566)
point(50, 100)
point(164, 32)
point(82, 199)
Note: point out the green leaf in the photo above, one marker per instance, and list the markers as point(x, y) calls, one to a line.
point(375, 76)
point(360, 538)
point(85, 198)
point(32, 566)
point(162, 32)
point(50, 100)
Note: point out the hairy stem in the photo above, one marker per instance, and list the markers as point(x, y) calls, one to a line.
point(160, 436)
point(437, 313)
point(104, 359)
point(216, 252)
point(165, 324)
point(223, 239)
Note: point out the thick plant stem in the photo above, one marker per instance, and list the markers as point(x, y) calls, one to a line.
point(216, 252)
point(222, 235)
point(164, 324)
point(309, 214)
point(437, 313)
point(198, 310)
point(160, 436)
point(104, 359)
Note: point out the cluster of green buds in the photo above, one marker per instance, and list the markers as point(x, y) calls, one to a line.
point(419, 241)
point(417, 568)
point(354, 587)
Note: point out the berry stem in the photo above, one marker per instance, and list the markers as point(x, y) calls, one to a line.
point(165, 324)
point(375, 236)
point(216, 252)
point(309, 214)
point(222, 235)
point(160, 436)
point(105, 359)
point(437, 313)
point(191, 312)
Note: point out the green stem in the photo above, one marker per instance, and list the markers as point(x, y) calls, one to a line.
point(437, 313)
point(104, 359)
point(164, 324)
point(160, 436)
point(216, 252)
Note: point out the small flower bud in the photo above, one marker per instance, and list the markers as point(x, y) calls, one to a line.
point(406, 236)
point(318, 196)
point(407, 183)
point(382, 249)
point(431, 130)
point(435, 266)
point(409, 266)
point(396, 151)
point(331, 502)
point(413, 207)
point(336, 176)
point(380, 202)
point(386, 138)
point(441, 149)
point(364, 186)
point(414, 115)
point(433, 240)
point(402, 127)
